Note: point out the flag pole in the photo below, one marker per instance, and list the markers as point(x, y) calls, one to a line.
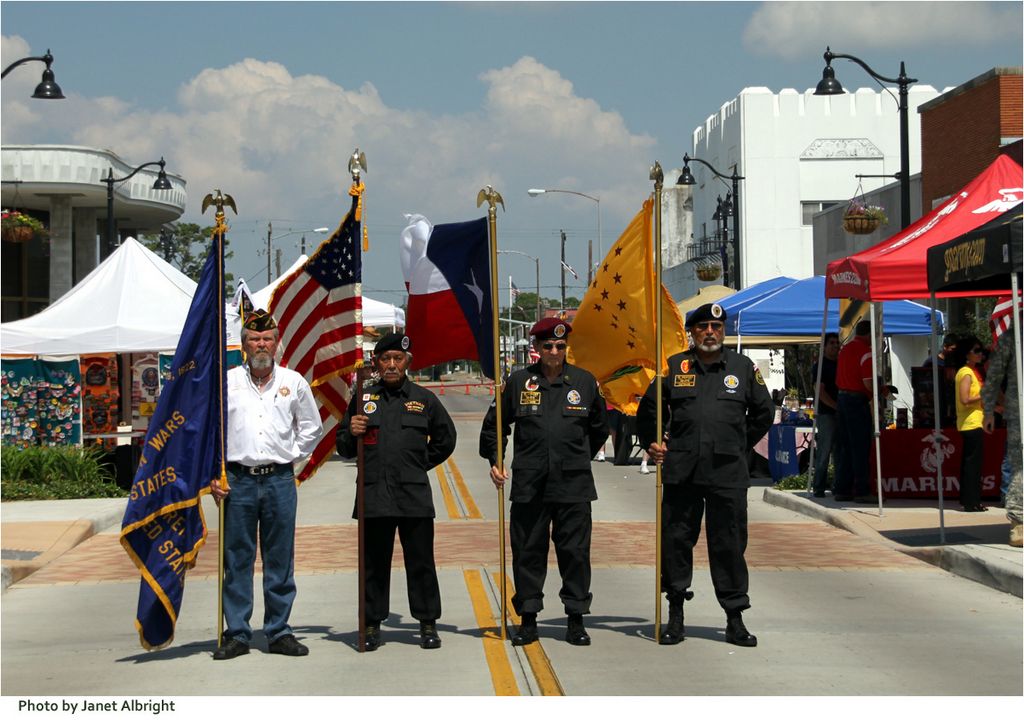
point(356, 165)
point(658, 177)
point(220, 226)
point(493, 197)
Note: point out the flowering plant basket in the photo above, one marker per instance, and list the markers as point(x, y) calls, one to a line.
point(708, 267)
point(863, 219)
point(19, 227)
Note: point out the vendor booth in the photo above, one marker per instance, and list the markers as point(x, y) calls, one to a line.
point(897, 269)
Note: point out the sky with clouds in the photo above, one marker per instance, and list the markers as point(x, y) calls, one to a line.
point(267, 101)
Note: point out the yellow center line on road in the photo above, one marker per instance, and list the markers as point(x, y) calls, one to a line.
point(547, 680)
point(472, 511)
point(494, 648)
point(449, 499)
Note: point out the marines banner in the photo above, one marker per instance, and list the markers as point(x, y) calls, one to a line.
point(163, 526)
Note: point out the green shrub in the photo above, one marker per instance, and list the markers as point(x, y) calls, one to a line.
point(792, 482)
point(55, 473)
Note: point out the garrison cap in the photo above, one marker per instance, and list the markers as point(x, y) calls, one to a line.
point(392, 341)
point(260, 321)
point(707, 311)
point(551, 327)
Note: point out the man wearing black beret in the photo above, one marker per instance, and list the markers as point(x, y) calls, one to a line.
point(716, 407)
point(406, 432)
point(561, 423)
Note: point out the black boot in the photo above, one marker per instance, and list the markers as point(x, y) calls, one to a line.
point(372, 636)
point(736, 632)
point(527, 630)
point(428, 636)
point(575, 633)
point(675, 632)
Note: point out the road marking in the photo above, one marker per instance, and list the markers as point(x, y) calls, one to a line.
point(547, 680)
point(494, 649)
point(472, 511)
point(446, 492)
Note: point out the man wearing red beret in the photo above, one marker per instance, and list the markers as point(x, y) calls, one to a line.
point(561, 423)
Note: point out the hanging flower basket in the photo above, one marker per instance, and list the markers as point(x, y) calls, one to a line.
point(708, 267)
point(19, 227)
point(863, 219)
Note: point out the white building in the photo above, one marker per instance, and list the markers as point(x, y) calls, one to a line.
point(64, 186)
point(798, 154)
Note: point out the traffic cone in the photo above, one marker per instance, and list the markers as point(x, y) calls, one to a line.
point(442, 388)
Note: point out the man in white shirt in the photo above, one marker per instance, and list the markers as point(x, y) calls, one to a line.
point(272, 422)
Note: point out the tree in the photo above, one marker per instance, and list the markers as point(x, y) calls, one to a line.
point(185, 247)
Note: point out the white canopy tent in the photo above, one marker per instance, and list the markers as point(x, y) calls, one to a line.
point(133, 301)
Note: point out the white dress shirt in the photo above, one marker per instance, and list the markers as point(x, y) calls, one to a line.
point(279, 425)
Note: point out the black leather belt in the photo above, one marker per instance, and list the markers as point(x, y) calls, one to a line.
point(258, 470)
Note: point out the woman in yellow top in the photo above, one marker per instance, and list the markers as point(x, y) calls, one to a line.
point(969, 414)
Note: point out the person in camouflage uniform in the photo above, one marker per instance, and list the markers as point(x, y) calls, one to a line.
point(1002, 365)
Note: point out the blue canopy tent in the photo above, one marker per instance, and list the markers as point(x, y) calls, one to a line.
point(795, 309)
point(748, 296)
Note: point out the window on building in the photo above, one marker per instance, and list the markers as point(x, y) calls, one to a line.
point(810, 209)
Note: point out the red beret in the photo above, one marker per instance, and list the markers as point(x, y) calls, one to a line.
point(551, 327)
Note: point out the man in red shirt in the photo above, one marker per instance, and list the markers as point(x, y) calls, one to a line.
point(853, 378)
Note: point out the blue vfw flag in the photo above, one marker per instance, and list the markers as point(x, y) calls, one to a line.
point(163, 526)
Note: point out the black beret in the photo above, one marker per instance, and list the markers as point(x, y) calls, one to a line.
point(392, 341)
point(707, 311)
point(260, 321)
point(551, 327)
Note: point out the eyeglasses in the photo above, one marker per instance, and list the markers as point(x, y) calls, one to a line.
point(554, 346)
point(709, 325)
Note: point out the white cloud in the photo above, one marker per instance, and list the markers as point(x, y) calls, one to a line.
point(793, 29)
point(279, 144)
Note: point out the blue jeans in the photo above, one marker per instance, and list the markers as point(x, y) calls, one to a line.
point(266, 504)
point(855, 428)
point(826, 445)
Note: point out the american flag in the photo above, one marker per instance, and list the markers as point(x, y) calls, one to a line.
point(1002, 317)
point(320, 318)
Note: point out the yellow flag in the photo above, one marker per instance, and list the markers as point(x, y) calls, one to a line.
point(613, 334)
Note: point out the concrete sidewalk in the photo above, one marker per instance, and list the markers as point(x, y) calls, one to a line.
point(971, 545)
point(34, 533)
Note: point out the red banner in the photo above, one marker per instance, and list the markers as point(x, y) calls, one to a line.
point(910, 464)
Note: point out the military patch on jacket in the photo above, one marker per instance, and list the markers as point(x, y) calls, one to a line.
point(684, 366)
point(757, 376)
point(731, 383)
point(573, 397)
point(284, 392)
point(689, 380)
point(531, 384)
point(370, 407)
point(529, 398)
point(414, 406)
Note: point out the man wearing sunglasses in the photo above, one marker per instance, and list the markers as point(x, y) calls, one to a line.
point(715, 407)
point(561, 423)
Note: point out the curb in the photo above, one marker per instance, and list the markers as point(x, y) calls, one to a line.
point(1005, 577)
point(78, 531)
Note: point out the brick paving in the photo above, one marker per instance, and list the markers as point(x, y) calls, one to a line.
point(332, 548)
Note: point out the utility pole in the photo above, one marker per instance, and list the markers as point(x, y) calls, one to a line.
point(563, 270)
point(303, 245)
point(277, 262)
point(270, 229)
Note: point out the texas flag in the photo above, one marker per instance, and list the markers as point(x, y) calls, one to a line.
point(447, 273)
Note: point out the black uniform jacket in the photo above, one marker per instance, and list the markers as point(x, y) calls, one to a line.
point(714, 415)
point(408, 433)
point(560, 426)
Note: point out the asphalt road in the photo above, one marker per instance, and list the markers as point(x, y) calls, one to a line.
point(835, 614)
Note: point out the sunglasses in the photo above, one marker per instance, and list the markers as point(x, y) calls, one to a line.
point(554, 346)
point(976, 350)
point(708, 325)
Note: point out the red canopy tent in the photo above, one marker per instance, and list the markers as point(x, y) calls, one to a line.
point(896, 268)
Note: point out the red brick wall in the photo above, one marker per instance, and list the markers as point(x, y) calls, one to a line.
point(961, 136)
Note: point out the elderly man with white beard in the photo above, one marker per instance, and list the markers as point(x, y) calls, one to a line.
point(272, 422)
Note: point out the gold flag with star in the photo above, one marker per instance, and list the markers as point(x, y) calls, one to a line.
point(613, 334)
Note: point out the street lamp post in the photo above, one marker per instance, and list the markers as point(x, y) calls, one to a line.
point(47, 89)
point(534, 192)
point(536, 260)
point(830, 86)
point(686, 178)
point(161, 183)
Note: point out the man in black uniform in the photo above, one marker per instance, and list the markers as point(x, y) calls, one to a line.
point(406, 432)
point(716, 407)
point(561, 423)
